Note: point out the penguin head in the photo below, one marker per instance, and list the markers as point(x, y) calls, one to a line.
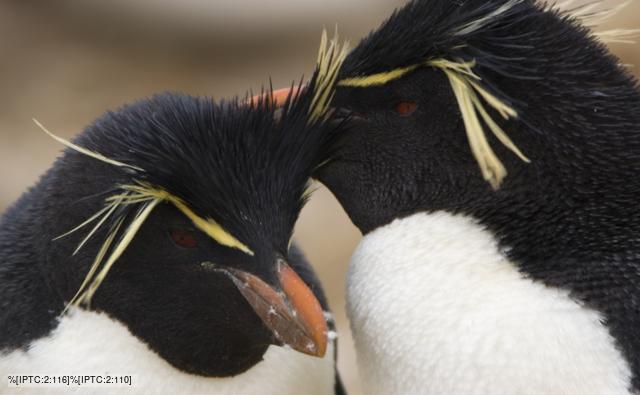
point(472, 107)
point(174, 215)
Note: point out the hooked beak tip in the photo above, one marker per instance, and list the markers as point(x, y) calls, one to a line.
point(307, 308)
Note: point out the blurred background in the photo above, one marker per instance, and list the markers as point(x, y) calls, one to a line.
point(65, 62)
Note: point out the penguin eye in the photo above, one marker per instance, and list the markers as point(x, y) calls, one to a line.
point(183, 238)
point(406, 108)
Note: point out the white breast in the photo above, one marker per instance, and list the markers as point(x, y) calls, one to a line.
point(87, 343)
point(437, 309)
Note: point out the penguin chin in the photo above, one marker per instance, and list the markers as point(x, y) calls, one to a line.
point(237, 362)
point(220, 356)
point(360, 203)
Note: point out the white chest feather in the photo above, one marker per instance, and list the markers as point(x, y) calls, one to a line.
point(90, 344)
point(437, 309)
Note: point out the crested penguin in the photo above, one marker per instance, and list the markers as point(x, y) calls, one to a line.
point(491, 158)
point(158, 246)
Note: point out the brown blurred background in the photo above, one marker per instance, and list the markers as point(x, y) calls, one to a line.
point(65, 62)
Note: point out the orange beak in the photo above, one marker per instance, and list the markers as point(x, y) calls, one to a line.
point(293, 314)
point(278, 98)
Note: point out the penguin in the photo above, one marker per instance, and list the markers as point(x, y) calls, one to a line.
point(158, 247)
point(490, 157)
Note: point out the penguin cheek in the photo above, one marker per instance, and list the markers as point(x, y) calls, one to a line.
point(227, 329)
point(239, 319)
point(215, 324)
point(349, 182)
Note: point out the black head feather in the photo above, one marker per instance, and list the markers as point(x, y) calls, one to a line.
point(241, 165)
point(424, 30)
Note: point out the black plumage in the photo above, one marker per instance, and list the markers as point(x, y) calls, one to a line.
point(568, 219)
point(244, 164)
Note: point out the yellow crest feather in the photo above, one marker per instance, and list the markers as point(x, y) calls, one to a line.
point(376, 79)
point(144, 192)
point(331, 55)
point(97, 279)
point(83, 150)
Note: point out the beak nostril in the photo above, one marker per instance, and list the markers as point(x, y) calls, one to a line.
point(210, 266)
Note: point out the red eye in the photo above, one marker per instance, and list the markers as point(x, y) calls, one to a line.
point(406, 108)
point(183, 238)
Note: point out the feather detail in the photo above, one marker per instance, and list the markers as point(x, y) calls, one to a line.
point(377, 79)
point(330, 58)
point(142, 214)
point(466, 88)
point(478, 24)
point(79, 296)
point(85, 151)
